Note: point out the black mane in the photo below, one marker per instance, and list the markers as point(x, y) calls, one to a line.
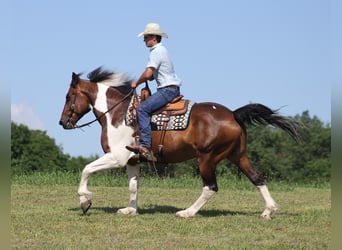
point(99, 75)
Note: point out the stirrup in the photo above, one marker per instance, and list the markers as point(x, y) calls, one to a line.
point(148, 156)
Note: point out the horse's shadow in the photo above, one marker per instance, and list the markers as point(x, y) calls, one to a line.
point(157, 209)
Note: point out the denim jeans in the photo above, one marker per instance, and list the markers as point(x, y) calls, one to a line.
point(156, 101)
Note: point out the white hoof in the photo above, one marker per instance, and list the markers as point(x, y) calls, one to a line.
point(268, 213)
point(127, 211)
point(184, 214)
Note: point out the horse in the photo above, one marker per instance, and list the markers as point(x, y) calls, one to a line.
point(214, 133)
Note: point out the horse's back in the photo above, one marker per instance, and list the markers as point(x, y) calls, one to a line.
point(210, 125)
point(211, 110)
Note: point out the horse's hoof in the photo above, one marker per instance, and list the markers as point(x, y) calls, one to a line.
point(184, 214)
point(127, 211)
point(85, 206)
point(268, 213)
point(265, 217)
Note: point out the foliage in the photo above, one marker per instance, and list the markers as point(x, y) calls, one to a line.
point(274, 153)
point(280, 157)
point(76, 164)
point(33, 150)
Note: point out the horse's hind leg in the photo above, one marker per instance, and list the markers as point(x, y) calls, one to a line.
point(207, 171)
point(258, 180)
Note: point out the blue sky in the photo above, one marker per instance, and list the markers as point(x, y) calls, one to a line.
point(278, 53)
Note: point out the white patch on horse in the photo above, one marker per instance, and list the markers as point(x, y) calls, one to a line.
point(101, 98)
point(118, 137)
point(214, 107)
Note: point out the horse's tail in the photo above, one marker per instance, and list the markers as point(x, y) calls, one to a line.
point(262, 115)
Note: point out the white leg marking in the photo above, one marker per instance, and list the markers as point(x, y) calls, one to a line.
point(270, 205)
point(105, 162)
point(200, 202)
point(133, 178)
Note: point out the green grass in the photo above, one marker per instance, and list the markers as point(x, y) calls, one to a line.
point(45, 214)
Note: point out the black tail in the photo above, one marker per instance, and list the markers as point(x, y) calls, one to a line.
point(262, 115)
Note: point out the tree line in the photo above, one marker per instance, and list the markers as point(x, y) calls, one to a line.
point(271, 150)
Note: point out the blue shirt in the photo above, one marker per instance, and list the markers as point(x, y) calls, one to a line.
point(164, 73)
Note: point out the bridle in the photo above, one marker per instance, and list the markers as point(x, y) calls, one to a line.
point(72, 107)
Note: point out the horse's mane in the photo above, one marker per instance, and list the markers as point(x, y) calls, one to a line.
point(117, 80)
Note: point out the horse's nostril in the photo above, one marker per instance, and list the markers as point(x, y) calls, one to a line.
point(63, 121)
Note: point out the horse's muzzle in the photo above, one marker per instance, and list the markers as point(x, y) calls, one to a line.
point(65, 122)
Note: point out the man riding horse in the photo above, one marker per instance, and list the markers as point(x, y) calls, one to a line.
point(159, 68)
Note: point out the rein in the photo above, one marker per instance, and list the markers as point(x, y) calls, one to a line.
point(98, 118)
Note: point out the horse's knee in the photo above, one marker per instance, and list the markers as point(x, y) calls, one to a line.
point(133, 184)
point(86, 170)
point(133, 171)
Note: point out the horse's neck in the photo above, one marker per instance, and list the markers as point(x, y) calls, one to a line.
point(91, 90)
point(112, 101)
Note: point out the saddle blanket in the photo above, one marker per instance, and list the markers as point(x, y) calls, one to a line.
point(174, 122)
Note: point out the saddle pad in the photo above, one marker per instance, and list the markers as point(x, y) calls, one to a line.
point(174, 122)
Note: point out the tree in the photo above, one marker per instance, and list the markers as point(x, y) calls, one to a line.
point(282, 158)
point(33, 150)
point(20, 137)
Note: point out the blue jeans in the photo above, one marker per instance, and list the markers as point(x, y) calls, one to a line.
point(156, 101)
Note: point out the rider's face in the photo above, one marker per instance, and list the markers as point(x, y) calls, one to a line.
point(150, 40)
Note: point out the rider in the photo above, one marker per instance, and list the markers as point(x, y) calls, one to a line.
point(159, 68)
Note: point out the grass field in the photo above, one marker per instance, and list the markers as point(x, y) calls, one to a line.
point(45, 214)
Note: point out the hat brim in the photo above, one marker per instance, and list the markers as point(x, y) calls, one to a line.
point(162, 34)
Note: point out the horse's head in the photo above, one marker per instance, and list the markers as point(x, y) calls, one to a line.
point(76, 105)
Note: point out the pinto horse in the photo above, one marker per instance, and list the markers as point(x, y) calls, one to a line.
point(214, 133)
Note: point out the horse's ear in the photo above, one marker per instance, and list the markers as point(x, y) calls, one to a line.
point(74, 75)
point(75, 79)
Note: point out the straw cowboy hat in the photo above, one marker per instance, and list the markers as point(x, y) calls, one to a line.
point(153, 29)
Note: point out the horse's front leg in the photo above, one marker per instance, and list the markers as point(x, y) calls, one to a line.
point(107, 161)
point(133, 186)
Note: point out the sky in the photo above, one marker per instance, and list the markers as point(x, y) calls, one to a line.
point(278, 53)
